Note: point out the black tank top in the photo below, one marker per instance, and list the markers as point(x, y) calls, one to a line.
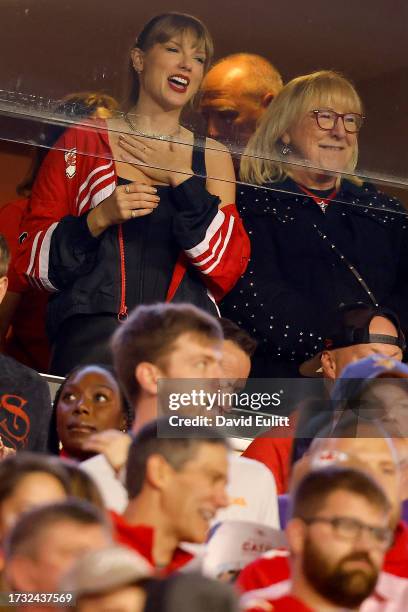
point(150, 248)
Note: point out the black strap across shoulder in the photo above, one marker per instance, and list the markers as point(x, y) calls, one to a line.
point(198, 161)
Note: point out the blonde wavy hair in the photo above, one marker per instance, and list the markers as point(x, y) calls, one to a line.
point(262, 158)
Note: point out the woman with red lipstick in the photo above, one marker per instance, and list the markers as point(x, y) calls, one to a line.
point(88, 402)
point(320, 235)
point(137, 209)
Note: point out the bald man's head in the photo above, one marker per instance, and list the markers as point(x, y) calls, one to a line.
point(366, 447)
point(235, 94)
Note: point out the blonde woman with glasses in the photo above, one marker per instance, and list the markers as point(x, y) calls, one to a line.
point(320, 236)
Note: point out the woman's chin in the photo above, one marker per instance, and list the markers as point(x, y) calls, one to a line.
point(327, 173)
point(333, 165)
point(316, 179)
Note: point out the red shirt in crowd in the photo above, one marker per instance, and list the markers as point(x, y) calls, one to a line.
point(27, 339)
point(390, 595)
point(276, 454)
point(396, 559)
point(271, 568)
point(141, 538)
point(275, 451)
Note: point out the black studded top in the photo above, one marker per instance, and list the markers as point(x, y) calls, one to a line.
point(307, 259)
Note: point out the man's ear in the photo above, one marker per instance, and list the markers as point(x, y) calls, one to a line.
point(137, 57)
point(295, 531)
point(20, 574)
point(147, 375)
point(328, 365)
point(3, 287)
point(267, 99)
point(158, 472)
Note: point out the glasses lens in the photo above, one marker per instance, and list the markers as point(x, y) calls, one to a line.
point(352, 122)
point(346, 528)
point(326, 119)
point(350, 529)
point(383, 537)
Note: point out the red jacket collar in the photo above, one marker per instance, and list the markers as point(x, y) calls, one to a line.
point(140, 538)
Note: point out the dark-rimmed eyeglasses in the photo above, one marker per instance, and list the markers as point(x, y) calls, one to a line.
point(350, 529)
point(327, 120)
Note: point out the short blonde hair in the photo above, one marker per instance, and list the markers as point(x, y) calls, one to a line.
point(261, 161)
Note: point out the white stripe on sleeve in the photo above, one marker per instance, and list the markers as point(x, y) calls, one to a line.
point(44, 259)
point(203, 246)
point(91, 187)
point(33, 253)
point(221, 253)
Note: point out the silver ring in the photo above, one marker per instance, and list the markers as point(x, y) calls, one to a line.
point(127, 189)
point(133, 213)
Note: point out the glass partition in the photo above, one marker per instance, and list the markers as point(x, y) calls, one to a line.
point(88, 50)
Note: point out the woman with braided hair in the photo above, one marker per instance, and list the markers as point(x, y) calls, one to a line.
point(89, 401)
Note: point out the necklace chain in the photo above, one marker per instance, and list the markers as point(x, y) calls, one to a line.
point(171, 136)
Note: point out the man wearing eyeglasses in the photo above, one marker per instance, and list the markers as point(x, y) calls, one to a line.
point(367, 448)
point(338, 535)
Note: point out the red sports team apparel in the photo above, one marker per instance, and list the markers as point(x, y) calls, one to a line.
point(273, 566)
point(141, 539)
point(26, 340)
point(77, 175)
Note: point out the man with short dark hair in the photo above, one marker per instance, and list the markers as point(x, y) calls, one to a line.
point(157, 341)
point(364, 445)
point(338, 535)
point(175, 487)
point(25, 403)
point(45, 543)
point(164, 341)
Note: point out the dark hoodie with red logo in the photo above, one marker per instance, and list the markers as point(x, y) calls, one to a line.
point(25, 407)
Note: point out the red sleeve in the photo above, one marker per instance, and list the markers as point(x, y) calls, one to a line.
point(68, 184)
point(213, 239)
point(222, 256)
point(275, 453)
